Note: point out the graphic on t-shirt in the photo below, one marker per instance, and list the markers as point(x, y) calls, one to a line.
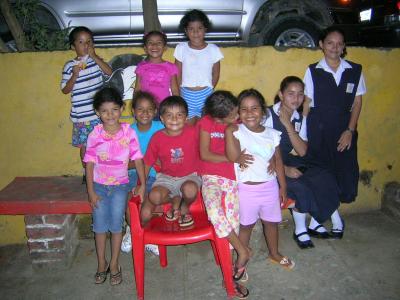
point(219, 135)
point(177, 156)
point(157, 78)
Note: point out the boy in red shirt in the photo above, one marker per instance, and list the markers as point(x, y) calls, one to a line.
point(176, 147)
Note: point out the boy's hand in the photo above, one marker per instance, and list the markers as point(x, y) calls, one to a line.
point(76, 69)
point(139, 190)
point(93, 199)
point(231, 128)
point(91, 51)
point(292, 172)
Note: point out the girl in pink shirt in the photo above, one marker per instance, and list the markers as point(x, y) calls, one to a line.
point(155, 75)
point(110, 146)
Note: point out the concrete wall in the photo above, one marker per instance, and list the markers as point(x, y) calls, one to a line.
point(36, 131)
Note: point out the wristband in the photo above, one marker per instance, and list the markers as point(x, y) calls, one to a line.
point(351, 130)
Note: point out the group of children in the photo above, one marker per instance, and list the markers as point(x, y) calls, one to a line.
point(201, 140)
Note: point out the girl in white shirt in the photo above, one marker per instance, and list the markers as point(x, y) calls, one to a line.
point(260, 195)
point(198, 63)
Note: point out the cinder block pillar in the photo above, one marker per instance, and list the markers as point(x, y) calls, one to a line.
point(52, 240)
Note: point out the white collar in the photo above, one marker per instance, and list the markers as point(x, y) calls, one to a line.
point(276, 107)
point(322, 64)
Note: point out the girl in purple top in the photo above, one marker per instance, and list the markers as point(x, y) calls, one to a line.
point(110, 146)
point(155, 75)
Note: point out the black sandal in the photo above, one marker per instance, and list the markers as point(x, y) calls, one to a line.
point(116, 278)
point(100, 277)
point(241, 292)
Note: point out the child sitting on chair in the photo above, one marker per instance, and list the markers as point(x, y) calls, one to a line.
point(176, 147)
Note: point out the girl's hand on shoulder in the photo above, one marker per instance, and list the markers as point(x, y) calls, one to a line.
point(231, 128)
point(139, 190)
point(93, 199)
point(344, 142)
point(292, 172)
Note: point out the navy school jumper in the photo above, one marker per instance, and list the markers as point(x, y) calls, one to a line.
point(327, 120)
point(316, 191)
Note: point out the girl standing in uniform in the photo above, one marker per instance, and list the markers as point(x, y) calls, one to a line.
point(334, 89)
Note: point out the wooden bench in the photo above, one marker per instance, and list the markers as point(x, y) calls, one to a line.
point(50, 205)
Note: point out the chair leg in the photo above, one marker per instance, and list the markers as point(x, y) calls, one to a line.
point(138, 266)
point(216, 256)
point(222, 247)
point(163, 255)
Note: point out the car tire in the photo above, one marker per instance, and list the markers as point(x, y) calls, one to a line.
point(290, 32)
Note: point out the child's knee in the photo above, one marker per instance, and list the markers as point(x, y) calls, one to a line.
point(145, 214)
point(189, 190)
point(155, 197)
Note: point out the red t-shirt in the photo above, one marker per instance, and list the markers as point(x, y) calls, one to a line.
point(178, 155)
point(217, 146)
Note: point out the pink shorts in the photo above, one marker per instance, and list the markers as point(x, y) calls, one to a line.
point(259, 201)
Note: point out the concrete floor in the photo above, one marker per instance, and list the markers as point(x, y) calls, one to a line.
point(365, 264)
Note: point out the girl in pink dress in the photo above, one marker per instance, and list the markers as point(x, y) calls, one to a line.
point(155, 75)
point(110, 146)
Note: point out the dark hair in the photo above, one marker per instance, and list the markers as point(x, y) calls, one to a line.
point(220, 104)
point(193, 16)
point(140, 95)
point(173, 101)
point(77, 30)
point(285, 83)
point(147, 36)
point(107, 94)
point(330, 30)
point(255, 94)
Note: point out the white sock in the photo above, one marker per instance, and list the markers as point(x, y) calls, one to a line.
point(314, 224)
point(336, 221)
point(300, 225)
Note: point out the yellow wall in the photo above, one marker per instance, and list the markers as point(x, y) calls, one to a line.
point(36, 131)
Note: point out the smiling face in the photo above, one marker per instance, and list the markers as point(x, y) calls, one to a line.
point(109, 113)
point(292, 96)
point(144, 112)
point(333, 45)
point(155, 47)
point(174, 119)
point(251, 114)
point(82, 42)
point(196, 32)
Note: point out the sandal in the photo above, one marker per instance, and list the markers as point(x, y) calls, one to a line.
point(116, 278)
point(240, 274)
point(241, 292)
point(172, 215)
point(100, 277)
point(285, 262)
point(186, 220)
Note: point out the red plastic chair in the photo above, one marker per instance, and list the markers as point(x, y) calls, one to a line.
point(163, 233)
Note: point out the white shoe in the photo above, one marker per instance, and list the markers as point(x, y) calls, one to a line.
point(126, 245)
point(152, 249)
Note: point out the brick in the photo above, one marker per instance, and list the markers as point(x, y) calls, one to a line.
point(56, 219)
point(36, 246)
point(33, 219)
point(58, 255)
point(38, 233)
point(57, 244)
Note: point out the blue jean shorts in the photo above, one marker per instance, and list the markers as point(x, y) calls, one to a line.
point(110, 211)
point(81, 130)
point(133, 178)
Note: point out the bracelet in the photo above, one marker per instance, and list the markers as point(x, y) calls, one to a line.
point(351, 130)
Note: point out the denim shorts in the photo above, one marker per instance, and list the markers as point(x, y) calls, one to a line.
point(110, 211)
point(81, 130)
point(133, 178)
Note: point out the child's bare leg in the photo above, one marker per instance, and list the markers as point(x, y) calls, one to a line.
point(82, 151)
point(157, 196)
point(116, 239)
point(100, 239)
point(242, 251)
point(189, 191)
point(127, 213)
point(245, 234)
point(271, 235)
